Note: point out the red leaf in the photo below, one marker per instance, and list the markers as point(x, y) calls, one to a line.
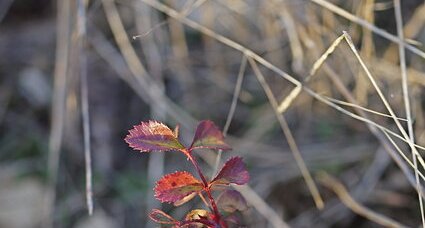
point(231, 200)
point(233, 172)
point(175, 186)
point(152, 135)
point(208, 136)
point(161, 217)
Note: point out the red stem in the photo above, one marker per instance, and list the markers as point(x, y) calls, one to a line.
point(207, 188)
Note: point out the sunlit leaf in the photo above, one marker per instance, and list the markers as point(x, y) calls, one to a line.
point(198, 218)
point(233, 172)
point(209, 136)
point(175, 186)
point(152, 136)
point(161, 217)
point(197, 214)
point(231, 200)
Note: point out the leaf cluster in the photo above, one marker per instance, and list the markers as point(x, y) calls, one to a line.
point(181, 186)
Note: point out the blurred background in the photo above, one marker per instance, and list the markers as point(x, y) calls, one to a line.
point(69, 68)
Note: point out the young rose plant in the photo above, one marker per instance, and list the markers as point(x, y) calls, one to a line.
point(181, 186)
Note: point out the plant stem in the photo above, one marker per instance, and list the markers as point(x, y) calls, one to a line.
point(207, 188)
point(198, 169)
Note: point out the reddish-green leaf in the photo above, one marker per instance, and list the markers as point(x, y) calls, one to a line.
point(152, 135)
point(208, 136)
point(231, 200)
point(175, 186)
point(233, 172)
point(161, 217)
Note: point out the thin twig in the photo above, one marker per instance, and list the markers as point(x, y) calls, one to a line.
point(358, 117)
point(81, 36)
point(371, 125)
point(364, 23)
point(384, 100)
point(58, 105)
point(185, 12)
point(402, 54)
point(232, 109)
point(351, 203)
point(149, 31)
point(236, 93)
point(361, 107)
point(289, 137)
point(403, 155)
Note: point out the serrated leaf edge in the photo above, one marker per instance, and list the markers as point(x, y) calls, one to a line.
point(170, 174)
point(150, 122)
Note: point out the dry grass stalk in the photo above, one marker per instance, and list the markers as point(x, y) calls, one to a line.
point(81, 43)
point(289, 137)
point(58, 105)
point(232, 109)
point(351, 203)
point(402, 54)
point(364, 23)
